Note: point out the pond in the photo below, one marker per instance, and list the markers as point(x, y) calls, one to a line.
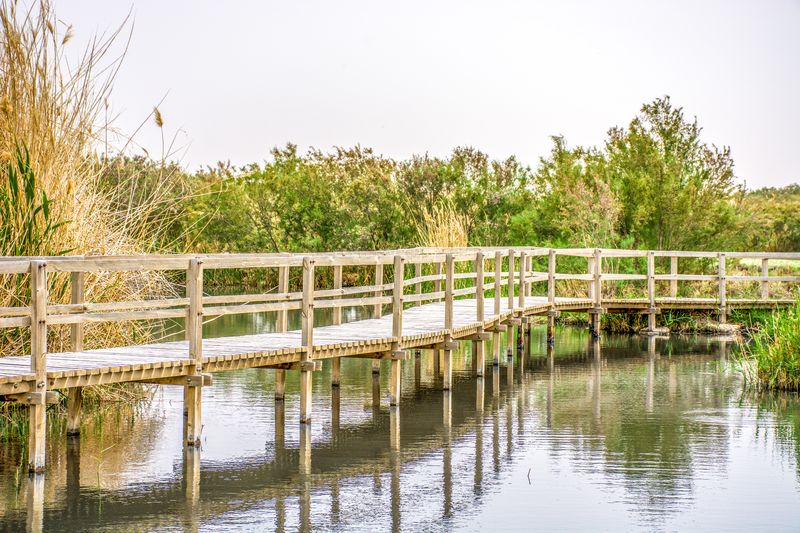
point(633, 434)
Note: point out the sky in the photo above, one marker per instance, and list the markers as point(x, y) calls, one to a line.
point(237, 78)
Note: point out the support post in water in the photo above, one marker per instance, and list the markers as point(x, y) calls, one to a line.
point(480, 344)
point(307, 340)
point(282, 326)
point(447, 371)
point(397, 330)
point(597, 282)
point(193, 396)
point(37, 403)
point(377, 310)
point(75, 398)
point(723, 298)
point(498, 280)
point(551, 295)
point(336, 362)
point(510, 327)
point(523, 261)
point(651, 292)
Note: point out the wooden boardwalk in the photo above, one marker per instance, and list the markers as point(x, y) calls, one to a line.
point(435, 298)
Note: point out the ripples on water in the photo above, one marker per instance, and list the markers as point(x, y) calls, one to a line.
point(636, 436)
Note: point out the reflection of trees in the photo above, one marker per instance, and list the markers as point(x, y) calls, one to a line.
point(642, 420)
point(777, 418)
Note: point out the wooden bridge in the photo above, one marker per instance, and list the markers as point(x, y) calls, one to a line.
point(437, 297)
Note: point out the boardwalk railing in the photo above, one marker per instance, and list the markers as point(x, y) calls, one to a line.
point(437, 297)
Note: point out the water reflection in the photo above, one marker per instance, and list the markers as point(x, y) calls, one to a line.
point(650, 428)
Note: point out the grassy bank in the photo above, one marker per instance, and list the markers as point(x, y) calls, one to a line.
point(771, 360)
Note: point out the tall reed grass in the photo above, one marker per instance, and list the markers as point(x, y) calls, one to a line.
point(53, 128)
point(771, 360)
point(54, 155)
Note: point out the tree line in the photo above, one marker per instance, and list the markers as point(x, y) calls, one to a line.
point(655, 184)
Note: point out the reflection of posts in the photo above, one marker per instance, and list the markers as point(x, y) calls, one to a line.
point(376, 397)
point(417, 368)
point(596, 377)
point(191, 479)
point(335, 500)
point(510, 375)
point(305, 450)
point(509, 427)
point(447, 457)
point(551, 379)
point(395, 461)
point(496, 437)
point(280, 433)
point(495, 382)
point(280, 513)
point(73, 476)
point(478, 479)
point(305, 475)
point(651, 365)
point(335, 411)
point(479, 397)
point(35, 503)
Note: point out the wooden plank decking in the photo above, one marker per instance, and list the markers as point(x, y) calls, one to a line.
point(422, 326)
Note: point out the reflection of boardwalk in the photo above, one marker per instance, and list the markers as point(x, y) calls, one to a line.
point(437, 298)
point(426, 428)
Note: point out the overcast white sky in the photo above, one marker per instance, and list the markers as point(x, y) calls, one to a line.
point(422, 76)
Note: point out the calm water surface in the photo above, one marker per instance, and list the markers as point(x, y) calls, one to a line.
point(635, 435)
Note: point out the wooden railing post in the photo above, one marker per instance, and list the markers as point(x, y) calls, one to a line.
point(397, 330)
point(673, 271)
point(37, 399)
point(551, 295)
point(479, 345)
point(723, 304)
point(498, 289)
point(193, 396)
point(377, 311)
point(764, 282)
point(307, 340)
point(520, 338)
point(447, 371)
point(651, 292)
point(336, 362)
point(282, 326)
point(75, 398)
point(597, 291)
point(523, 261)
point(510, 282)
